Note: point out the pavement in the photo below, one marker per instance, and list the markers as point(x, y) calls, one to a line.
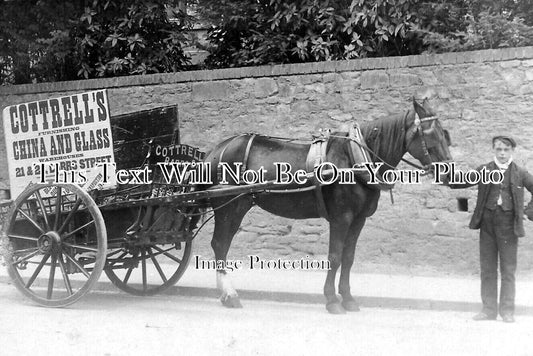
point(454, 293)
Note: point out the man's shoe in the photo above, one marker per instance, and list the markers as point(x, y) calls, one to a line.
point(508, 318)
point(483, 316)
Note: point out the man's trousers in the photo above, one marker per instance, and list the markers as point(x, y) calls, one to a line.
point(497, 240)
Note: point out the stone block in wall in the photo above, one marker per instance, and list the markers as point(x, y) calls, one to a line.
point(527, 63)
point(374, 79)
point(481, 73)
point(210, 90)
point(319, 88)
point(340, 116)
point(310, 248)
point(426, 77)
point(514, 79)
point(449, 75)
point(526, 89)
point(302, 106)
point(330, 77)
point(529, 74)
point(510, 64)
point(265, 87)
point(403, 80)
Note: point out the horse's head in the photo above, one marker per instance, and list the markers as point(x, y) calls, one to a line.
point(425, 138)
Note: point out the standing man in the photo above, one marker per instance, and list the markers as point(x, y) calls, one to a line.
point(498, 214)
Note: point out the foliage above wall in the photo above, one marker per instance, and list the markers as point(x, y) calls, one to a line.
point(281, 31)
point(53, 40)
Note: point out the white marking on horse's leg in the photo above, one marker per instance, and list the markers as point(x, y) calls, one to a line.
point(224, 285)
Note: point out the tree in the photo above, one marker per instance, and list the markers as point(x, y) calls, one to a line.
point(131, 37)
point(287, 31)
point(27, 29)
point(280, 31)
point(52, 40)
point(465, 25)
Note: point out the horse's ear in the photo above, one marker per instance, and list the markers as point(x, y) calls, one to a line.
point(419, 108)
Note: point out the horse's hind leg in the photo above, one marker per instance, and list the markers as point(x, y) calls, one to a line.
point(227, 222)
point(348, 254)
point(337, 235)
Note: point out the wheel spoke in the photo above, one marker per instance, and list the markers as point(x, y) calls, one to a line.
point(174, 258)
point(65, 275)
point(128, 274)
point(143, 265)
point(22, 237)
point(78, 229)
point(59, 199)
point(25, 258)
point(43, 209)
point(56, 243)
point(37, 271)
point(81, 247)
point(110, 254)
point(157, 266)
point(114, 261)
point(33, 222)
point(19, 252)
point(51, 278)
point(80, 267)
point(70, 215)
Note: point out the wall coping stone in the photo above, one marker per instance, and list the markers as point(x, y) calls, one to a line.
point(423, 60)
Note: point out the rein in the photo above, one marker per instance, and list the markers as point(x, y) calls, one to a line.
point(413, 130)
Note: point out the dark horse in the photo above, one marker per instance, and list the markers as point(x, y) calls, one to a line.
point(348, 205)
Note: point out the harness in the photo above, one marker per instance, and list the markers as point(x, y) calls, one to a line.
point(315, 157)
point(246, 152)
point(410, 136)
point(358, 152)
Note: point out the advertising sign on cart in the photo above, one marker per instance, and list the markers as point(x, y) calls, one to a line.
point(61, 140)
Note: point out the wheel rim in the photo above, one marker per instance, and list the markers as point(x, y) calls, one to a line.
point(54, 243)
point(147, 270)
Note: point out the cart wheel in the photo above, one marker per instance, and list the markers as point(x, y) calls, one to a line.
point(148, 270)
point(54, 243)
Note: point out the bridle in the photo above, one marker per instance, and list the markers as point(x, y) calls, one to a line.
point(416, 128)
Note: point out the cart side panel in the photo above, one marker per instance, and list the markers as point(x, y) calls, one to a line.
point(134, 134)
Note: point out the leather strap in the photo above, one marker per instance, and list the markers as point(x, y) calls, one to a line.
point(221, 156)
point(247, 152)
point(316, 156)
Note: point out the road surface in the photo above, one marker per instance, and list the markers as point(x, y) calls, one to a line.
point(119, 324)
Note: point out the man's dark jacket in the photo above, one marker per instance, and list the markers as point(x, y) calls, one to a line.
point(520, 178)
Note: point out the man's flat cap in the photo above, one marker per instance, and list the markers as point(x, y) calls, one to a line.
point(506, 139)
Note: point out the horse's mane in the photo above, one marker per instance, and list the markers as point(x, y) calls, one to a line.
point(386, 137)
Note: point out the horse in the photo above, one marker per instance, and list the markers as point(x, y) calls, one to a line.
point(418, 131)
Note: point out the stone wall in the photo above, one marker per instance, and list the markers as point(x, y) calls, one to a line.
point(476, 94)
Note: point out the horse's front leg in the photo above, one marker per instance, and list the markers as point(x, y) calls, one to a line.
point(227, 222)
point(348, 254)
point(337, 235)
point(229, 297)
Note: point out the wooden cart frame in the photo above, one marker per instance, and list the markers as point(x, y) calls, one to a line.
point(58, 238)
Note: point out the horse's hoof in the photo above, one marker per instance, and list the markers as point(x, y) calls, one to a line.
point(231, 301)
point(335, 308)
point(350, 305)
